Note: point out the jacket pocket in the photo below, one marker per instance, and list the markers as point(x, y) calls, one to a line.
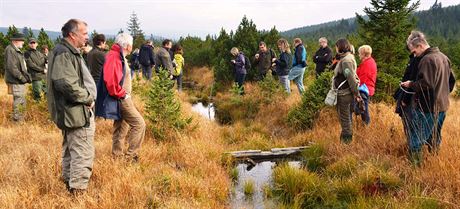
point(76, 116)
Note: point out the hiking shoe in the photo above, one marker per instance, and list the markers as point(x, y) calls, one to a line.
point(346, 139)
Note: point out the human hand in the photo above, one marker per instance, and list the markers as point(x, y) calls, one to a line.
point(274, 59)
point(233, 61)
point(91, 105)
point(406, 84)
point(257, 56)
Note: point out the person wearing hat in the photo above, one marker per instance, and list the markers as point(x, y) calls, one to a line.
point(16, 75)
point(36, 61)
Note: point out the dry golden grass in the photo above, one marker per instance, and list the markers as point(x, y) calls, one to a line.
point(184, 173)
point(188, 173)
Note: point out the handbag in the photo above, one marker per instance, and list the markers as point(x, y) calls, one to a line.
point(331, 97)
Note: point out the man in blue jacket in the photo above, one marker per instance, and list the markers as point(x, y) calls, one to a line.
point(146, 59)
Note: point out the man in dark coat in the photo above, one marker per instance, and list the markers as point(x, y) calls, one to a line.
point(263, 60)
point(146, 59)
point(322, 57)
point(36, 65)
point(96, 57)
point(16, 75)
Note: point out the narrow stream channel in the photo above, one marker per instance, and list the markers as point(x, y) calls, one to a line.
point(208, 111)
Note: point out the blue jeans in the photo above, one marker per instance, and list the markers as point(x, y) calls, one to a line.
point(425, 127)
point(239, 79)
point(147, 72)
point(179, 81)
point(296, 74)
point(284, 81)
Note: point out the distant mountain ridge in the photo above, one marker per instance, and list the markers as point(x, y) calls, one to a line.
point(51, 34)
point(436, 21)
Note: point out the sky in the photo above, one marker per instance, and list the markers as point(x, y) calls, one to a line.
point(175, 18)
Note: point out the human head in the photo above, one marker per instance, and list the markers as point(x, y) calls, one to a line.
point(323, 42)
point(283, 45)
point(297, 41)
point(417, 43)
point(364, 51)
point(33, 43)
point(178, 49)
point(262, 46)
point(149, 42)
point(342, 46)
point(18, 40)
point(45, 49)
point(75, 32)
point(99, 40)
point(126, 42)
point(234, 51)
point(167, 43)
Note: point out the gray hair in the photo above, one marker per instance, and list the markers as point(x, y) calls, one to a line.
point(71, 26)
point(322, 39)
point(124, 39)
point(416, 38)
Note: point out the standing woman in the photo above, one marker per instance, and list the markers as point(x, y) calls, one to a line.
point(298, 64)
point(367, 74)
point(178, 70)
point(239, 68)
point(283, 64)
point(346, 81)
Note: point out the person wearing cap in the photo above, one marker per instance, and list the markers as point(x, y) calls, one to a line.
point(71, 97)
point(16, 75)
point(36, 62)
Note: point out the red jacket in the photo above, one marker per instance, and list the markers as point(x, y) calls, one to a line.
point(367, 73)
point(113, 72)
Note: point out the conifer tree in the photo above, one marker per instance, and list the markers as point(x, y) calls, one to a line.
point(43, 39)
point(386, 30)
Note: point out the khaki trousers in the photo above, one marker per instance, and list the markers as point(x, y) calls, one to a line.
point(131, 127)
point(78, 155)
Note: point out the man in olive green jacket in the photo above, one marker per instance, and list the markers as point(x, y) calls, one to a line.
point(71, 95)
point(16, 75)
point(36, 66)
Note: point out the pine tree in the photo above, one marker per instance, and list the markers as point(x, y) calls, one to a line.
point(43, 39)
point(94, 33)
point(271, 37)
point(3, 44)
point(390, 22)
point(247, 38)
point(134, 26)
point(162, 108)
point(11, 30)
point(120, 31)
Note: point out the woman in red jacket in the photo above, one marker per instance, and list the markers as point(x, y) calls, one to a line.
point(367, 73)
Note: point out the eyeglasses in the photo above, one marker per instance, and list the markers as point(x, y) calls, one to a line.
point(32, 42)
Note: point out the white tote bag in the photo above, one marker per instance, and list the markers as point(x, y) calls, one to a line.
point(331, 97)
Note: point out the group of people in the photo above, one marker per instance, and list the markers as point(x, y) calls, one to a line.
point(422, 99)
point(77, 90)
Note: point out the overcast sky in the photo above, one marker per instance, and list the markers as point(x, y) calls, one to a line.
point(174, 18)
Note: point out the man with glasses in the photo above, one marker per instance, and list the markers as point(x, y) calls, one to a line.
point(71, 95)
point(36, 62)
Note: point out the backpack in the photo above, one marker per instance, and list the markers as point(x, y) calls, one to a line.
point(247, 62)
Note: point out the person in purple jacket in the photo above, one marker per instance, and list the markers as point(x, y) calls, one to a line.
point(239, 68)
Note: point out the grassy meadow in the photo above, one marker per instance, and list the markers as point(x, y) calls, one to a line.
point(188, 171)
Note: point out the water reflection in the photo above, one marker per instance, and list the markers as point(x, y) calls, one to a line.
point(262, 175)
point(205, 111)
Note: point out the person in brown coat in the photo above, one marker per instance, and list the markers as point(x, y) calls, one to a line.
point(432, 86)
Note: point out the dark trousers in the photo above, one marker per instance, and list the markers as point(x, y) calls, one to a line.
point(147, 72)
point(364, 113)
point(239, 79)
point(179, 81)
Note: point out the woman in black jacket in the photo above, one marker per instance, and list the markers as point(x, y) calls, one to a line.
point(283, 64)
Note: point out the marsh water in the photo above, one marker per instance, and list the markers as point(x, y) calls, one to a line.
point(261, 174)
point(208, 111)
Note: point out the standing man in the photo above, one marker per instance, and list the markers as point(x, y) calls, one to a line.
point(433, 84)
point(96, 57)
point(322, 57)
point(146, 59)
point(129, 125)
point(263, 60)
point(16, 75)
point(36, 65)
point(71, 95)
point(163, 57)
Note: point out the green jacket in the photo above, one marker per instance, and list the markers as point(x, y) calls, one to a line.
point(346, 70)
point(15, 66)
point(35, 64)
point(68, 97)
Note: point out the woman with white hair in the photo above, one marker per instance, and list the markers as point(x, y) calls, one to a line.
point(367, 74)
point(114, 100)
